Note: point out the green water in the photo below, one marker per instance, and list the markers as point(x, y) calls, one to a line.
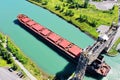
point(47, 59)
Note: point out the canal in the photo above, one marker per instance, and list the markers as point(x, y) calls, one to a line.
point(46, 58)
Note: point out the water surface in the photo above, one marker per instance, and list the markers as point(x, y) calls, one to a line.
point(46, 58)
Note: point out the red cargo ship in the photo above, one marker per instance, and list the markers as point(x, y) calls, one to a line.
point(69, 48)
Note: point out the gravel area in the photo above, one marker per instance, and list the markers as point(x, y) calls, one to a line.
point(5, 74)
point(104, 5)
point(102, 29)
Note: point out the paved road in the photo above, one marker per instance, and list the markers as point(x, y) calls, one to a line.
point(5, 74)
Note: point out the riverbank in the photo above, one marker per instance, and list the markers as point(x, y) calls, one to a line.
point(6, 59)
point(21, 57)
point(87, 20)
point(3, 61)
point(113, 52)
point(27, 62)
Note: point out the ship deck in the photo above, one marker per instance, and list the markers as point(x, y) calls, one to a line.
point(69, 48)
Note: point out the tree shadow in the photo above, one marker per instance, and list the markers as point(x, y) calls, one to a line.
point(66, 72)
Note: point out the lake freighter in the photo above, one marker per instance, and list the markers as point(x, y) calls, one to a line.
point(69, 48)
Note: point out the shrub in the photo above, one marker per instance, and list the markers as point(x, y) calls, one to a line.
point(57, 7)
point(16, 52)
point(62, 10)
point(44, 2)
point(69, 13)
point(82, 18)
point(94, 23)
point(14, 67)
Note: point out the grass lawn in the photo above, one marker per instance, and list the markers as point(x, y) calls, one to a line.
point(94, 16)
point(3, 63)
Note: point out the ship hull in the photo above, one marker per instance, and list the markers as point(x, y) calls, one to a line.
point(54, 45)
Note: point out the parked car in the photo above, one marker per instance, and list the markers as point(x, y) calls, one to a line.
point(19, 73)
point(10, 69)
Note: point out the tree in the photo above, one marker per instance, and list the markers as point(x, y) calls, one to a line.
point(70, 1)
point(57, 7)
point(1, 49)
point(86, 3)
point(44, 2)
point(77, 5)
point(82, 18)
point(4, 53)
point(69, 13)
point(62, 10)
point(9, 60)
point(6, 56)
point(14, 67)
point(71, 6)
point(93, 23)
